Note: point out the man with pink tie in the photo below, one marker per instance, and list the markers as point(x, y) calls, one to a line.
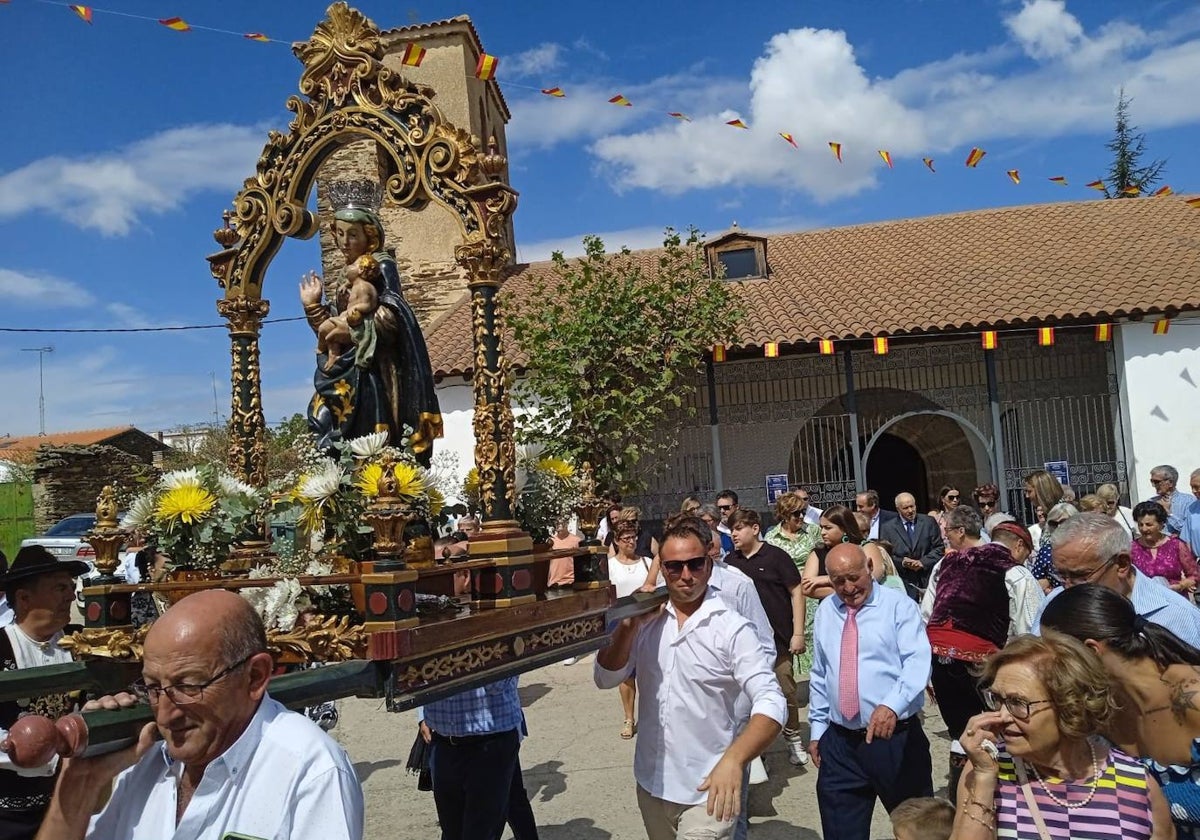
point(870, 667)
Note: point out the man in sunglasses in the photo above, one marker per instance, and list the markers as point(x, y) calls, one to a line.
point(232, 761)
point(699, 664)
point(1095, 548)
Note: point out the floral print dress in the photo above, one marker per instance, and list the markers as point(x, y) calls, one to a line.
point(798, 548)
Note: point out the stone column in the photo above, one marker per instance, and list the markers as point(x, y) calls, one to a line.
point(247, 425)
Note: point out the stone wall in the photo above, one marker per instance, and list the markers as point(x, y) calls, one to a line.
point(68, 479)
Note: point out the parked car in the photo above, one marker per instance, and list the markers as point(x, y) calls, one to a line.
point(64, 539)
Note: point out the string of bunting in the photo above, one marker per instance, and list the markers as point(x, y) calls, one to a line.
point(988, 340)
point(487, 66)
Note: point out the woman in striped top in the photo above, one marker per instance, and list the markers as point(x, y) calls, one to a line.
point(1038, 769)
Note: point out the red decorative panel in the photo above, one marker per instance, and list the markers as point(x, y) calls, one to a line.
point(377, 603)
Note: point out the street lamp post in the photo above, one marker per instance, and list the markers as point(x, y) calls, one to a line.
point(41, 351)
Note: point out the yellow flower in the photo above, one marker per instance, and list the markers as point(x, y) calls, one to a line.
point(368, 480)
point(557, 466)
point(471, 483)
point(186, 503)
point(410, 481)
point(436, 501)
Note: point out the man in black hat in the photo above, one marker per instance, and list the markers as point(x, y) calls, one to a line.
point(40, 588)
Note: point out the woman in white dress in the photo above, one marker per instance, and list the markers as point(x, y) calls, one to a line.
point(627, 572)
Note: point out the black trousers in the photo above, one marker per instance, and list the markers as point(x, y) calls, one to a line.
point(472, 783)
point(957, 691)
point(853, 773)
point(520, 812)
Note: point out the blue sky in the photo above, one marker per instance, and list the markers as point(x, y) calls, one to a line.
point(125, 141)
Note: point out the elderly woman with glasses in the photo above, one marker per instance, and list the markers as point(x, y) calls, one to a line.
point(628, 571)
point(1110, 498)
point(798, 538)
point(1038, 768)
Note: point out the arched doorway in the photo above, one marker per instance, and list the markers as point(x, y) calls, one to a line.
point(896, 467)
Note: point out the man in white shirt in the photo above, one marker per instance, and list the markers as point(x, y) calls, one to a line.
point(690, 759)
point(868, 503)
point(233, 762)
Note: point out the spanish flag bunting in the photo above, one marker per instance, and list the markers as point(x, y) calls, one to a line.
point(1161, 326)
point(989, 339)
point(1104, 332)
point(887, 158)
point(554, 91)
point(414, 54)
point(771, 349)
point(826, 346)
point(256, 36)
point(1015, 175)
point(837, 150)
point(1059, 179)
point(737, 124)
point(485, 68)
point(881, 345)
point(718, 352)
point(974, 156)
point(1046, 336)
point(929, 162)
point(178, 24)
point(676, 114)
point(1163, 191)
point(1096, 185)
point(84, 12)
point(1193, 202)
point(1132, 189)
point(620, 99)
point(791, 140)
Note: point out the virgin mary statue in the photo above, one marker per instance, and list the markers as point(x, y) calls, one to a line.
point(373, 373)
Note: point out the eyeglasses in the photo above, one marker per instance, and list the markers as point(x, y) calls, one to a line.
point(675, 567)
point(952, 496)
point(724, 507)
point(984, 503)
point(183, 693)
point(1018, 707)
point(1086, 576)
point(796, 514)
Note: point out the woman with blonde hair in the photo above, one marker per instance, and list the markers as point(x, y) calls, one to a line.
point(1038, 768)
point(798, 538)
point(1110, 495)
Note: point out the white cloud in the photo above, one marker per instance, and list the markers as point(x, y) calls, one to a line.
point(108, 191)
point(810, 83)
point(37, 289)
point(533, 62)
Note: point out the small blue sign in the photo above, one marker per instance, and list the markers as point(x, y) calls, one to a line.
point(1060, 470)
point(777, 485)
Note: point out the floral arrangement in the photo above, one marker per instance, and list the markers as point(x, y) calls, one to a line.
point(281, 606)
point(547, 490)
point(196, 515)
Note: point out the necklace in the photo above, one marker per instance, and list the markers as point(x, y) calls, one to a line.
point(1037, 777)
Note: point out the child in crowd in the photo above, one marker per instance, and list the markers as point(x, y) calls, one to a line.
point(924, 818)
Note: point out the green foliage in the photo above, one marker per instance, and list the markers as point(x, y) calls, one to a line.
point(614, 342)
point(207, 445)
point(1127, 176)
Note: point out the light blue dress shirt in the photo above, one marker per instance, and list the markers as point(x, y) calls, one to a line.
point(1190, 532)
point(894, 659)
point(491, 708)
point(1182, 504)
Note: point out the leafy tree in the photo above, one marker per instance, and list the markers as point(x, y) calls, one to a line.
point(1127, 176)
point(210, 445)
point(613, 343)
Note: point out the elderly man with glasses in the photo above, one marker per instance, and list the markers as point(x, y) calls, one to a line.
point(1178, 504)
point(1094, 548)
point(232, 761)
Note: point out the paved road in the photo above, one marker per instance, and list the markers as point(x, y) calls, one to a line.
point(577, 769)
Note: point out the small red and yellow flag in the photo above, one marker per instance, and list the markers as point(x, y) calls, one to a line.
point(1163, 191)
point(1015, 175)
point(989, 339)
point(676, 114)
point(881, 345)
point(1161, 326)
point(177, 24)
point(887, 158)
point(257, 36)
point(1096, 185)
point(620, 99)
point(1132, 189)
point(1046, 336)
point(718, 352)
point(1192, 202)
point(789, 138)
point(84, 12)
point(1104, 332)
point(929, 162)
point(737, 123)
point(414, 54)
point(485, 68)
point(974, 156)
point(771, 349)
point(1061, 180)
point(826, 345)
point(556, 92)
point(836, 148)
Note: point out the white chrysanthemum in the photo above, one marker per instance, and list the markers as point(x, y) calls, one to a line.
point(323, 484)
point(368, 446)
point(231, 486)
point(181, 478)
point(140, 511)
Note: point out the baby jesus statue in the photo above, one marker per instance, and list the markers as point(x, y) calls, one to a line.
point(358, 319)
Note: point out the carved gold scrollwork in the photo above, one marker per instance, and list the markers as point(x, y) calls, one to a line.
point(453, 664)
point(323, 639)
point(575, 631)
point(107, 644)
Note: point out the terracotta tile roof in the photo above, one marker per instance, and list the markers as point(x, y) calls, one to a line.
point(1075, 262)
point(22, 448)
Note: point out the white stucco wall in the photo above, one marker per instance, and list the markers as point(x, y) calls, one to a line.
point(1159, 381)
point(457, 401)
